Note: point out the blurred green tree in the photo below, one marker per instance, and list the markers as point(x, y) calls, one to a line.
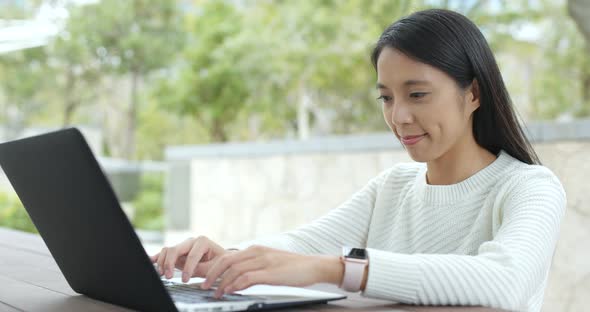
point(579, 10)
point(209, 83)
point(22, 75)
point(132, 39)
point(283, 65)
point(74, 70)
point(264, 69)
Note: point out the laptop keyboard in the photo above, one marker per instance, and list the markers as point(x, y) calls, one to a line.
point(192, 293)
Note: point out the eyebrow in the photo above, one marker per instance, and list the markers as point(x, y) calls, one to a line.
point(407, 83)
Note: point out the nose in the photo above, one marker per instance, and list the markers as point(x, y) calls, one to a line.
point(401, 114)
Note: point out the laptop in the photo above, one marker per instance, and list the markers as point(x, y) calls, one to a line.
point(74, 208)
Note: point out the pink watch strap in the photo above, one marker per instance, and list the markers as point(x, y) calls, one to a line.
point(354, 270)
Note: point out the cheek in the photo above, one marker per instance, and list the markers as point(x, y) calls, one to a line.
point(449, 130)
point(387, 118)
point(443, 124)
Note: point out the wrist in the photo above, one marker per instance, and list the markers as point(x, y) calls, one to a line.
point(328, 269)
point(356, 264)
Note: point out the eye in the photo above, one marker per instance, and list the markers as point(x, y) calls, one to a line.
point(385, 98)
point(417, 95)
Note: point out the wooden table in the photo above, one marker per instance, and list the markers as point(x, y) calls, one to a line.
point(30, 280)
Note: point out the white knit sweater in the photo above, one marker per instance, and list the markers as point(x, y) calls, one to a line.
point(487, 240)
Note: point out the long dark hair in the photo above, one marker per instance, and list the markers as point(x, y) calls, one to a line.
point(452, 43)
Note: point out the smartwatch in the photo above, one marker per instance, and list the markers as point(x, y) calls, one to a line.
point(355, 261)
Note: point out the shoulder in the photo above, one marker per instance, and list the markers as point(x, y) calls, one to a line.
point(526, 178)
point(531, 186)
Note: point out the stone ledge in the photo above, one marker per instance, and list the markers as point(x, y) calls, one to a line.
point(540, 131)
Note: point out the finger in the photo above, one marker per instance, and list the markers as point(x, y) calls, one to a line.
point(180, 262)
point(169, 262)
point(154, 258)
point(192, 260)
point(236, 270)
point(249, 279)
point(172, 255)
point(203, 268)
point(223, 263)
point(161, 259)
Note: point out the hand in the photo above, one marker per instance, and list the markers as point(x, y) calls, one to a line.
point(194, 257)
point(263, 265)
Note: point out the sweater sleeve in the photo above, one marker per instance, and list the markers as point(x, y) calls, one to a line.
point(505, 272)
point(346, 225)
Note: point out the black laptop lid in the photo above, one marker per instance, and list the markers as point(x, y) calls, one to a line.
point(75, 210)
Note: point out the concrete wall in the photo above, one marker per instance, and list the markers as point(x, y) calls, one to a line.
point(236, 192)
point(569, 281)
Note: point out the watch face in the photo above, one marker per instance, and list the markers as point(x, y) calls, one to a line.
point(357, 253)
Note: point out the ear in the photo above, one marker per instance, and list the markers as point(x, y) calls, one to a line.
point(472, 97)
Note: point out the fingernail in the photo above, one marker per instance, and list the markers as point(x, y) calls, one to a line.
point(204, 285)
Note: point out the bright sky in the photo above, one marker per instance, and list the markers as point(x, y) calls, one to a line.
point(48, 20)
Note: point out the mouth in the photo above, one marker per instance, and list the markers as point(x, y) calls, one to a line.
point(412, 139)
point(408, 137)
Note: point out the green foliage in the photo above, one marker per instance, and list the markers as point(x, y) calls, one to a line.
point(102, 42)
point(22, 78)
point(162, 72)
point(562, 72)
point(159, 128)
point(256, 63)
point(76, 72)
point(13, 215)
point(131, 36)
point(149, 214)
point(211, 87)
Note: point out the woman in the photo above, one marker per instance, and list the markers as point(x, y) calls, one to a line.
point(473, 221)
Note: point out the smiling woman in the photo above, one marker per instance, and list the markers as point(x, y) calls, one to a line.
point(438, 78)
point(473, 221)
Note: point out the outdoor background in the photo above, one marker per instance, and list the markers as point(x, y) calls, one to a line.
point(181, 99)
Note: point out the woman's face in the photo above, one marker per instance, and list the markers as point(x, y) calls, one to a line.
point(421, 100)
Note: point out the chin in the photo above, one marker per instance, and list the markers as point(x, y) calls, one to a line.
point(417, 156)
point(419, 159)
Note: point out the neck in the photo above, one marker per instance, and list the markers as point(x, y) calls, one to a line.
point(458, 163)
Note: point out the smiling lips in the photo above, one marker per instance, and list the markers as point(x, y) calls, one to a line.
point(412, 139)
